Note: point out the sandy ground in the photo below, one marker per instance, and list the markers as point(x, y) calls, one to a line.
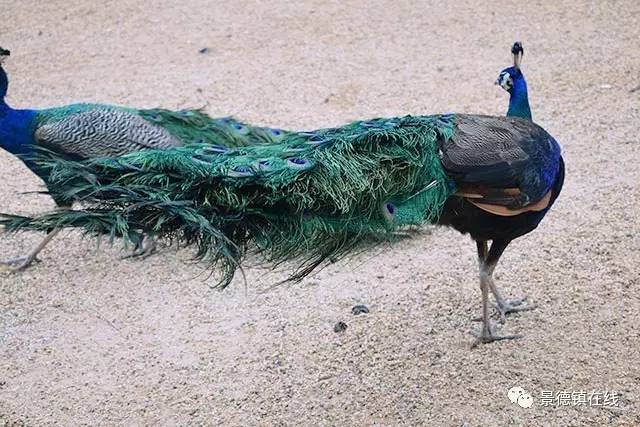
point(88, 339)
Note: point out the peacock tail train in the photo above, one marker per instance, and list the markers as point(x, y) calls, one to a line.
point(310, 197)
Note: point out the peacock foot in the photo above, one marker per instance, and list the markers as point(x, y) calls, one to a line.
point(20, 263)
point(147, 248)
point(488, 335)
point(505, 307)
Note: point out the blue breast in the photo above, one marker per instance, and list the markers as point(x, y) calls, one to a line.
point(17, 129)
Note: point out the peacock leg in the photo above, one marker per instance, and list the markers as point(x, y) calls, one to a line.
point(25, 261)
point(487, 265)
point(503, 306)
point(147, 248)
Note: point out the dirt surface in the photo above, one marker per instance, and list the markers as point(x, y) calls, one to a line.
point(89, 339)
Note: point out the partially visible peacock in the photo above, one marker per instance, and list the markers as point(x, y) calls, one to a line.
point(83, 131)
point(324, 194)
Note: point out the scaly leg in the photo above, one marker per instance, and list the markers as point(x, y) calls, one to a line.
point(24, 262)
point(487, 265)
point(503, 306)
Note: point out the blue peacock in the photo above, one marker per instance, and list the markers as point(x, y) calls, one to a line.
point(324, 194)
point(82, 131)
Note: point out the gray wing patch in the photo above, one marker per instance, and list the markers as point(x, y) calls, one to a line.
point(99, 133)
point(502, 153)
point(485, 141)
point(487, 150)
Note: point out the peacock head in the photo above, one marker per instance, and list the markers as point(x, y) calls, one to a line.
point(510, 77)
point(4, 80)
point(512, 80)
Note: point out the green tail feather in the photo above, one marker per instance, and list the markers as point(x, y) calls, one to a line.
point(194, 126)
point(313, 196)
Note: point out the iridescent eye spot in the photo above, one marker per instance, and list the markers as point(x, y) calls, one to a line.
point(299, 163)
point(389, 211)
point(213, 149)
point(390, 208)
point(240, 128)
point(264, 164)
point(241, 172)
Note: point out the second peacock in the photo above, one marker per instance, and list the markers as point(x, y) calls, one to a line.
point(84, 131)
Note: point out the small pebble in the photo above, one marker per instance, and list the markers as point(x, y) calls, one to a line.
point(360, 309)
point(204, 50)
point(340, 327)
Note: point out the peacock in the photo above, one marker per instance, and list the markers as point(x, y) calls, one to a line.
point(322, 195)
point(82, 131)
point(512, 80)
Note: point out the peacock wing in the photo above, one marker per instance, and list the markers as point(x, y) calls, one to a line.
point(504, 161)
point(100, 132)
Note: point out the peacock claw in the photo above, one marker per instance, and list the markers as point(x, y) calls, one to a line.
point(505, 307)
point(488, 335)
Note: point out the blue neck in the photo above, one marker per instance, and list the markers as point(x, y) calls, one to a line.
point(4, 83)
point(519, 100)
point(16, 126)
